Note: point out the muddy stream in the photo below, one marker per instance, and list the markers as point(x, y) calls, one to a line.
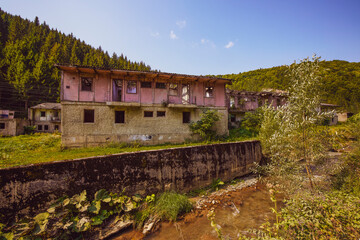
point(239, 207)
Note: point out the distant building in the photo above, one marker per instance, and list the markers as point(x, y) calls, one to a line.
point(46, 117)
point(103, 105)
point(240, 102)
point(9, 125)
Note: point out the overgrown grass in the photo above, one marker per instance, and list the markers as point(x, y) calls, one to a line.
point(170, 205)
point(44, 147)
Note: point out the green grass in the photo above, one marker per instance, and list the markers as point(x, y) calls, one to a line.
point(46, 147)
point(170, 205)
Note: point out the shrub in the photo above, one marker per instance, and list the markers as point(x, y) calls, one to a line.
point(204, 127)
point(170, 205)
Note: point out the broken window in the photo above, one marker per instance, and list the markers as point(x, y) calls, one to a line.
point(173, 89)
point(39, 127)
point(117, 90)
point(232, 118)
point(46, 127)
point(232, 101)
point(209, 91)
point(160, 85)
point(2, 125)
point(160, 113)
point(56, 114)
point(131, 87)
point(148, 114)
point(119, 116)
point(145, 84)
point(186, 117)
point(86, 84)
point(56, 127)
point(42, 114)
point(89, 116)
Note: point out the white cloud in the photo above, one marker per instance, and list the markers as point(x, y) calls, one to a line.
point(181, 24)
point(229, 45)
point(155, 34)
point(173, 35)
point(207, 42)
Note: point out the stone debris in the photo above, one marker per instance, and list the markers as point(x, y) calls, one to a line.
point(207, 201)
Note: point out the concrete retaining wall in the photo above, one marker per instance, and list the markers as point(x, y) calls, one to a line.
point(29, 189)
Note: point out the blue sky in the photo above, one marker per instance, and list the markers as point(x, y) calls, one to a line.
point(206, 36)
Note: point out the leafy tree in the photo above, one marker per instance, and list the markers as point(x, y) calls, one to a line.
point(290, 133)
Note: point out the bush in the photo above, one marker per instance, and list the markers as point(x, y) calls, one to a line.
point(252, 120)
point(170, 205)
point(204, 126)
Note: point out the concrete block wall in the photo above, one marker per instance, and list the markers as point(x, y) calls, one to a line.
point(30, 189)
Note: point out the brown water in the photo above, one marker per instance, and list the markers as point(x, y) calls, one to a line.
point(237, 211)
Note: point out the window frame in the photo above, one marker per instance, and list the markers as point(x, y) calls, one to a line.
point(40, 127)
point(144, 83)
point(127, 86)
point(160, 85)
point(46, 127)
point(148, 112)
point(212, 91)
point(2, 126)
point(93, 116)
point(84, 86)
point(173, 91)
point(41, 114)
point(120, 118)
point(186, 117)
point(162, 112)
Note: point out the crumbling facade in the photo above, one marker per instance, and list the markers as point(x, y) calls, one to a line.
point(240, 102)
point(9, 125)
point(101, 105)
point(46, 117)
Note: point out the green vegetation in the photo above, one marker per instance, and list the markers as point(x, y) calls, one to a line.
point(325, 206)
point(204, 126)
point(79, 218)
point(28, 53)
point(340, 82)
point(45, 147)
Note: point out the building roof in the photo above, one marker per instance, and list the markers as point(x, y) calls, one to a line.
point(142, 74)
point(54, 106)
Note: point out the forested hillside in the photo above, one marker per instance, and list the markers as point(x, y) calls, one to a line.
point(340, 82)
point(28, 52)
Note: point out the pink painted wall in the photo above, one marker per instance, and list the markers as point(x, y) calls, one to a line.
point(102, 88)
point(146, 95)
point(71, 87)
point(160, 95)
point(101, 92)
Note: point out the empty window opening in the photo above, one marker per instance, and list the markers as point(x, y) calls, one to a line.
point(39, 127)
point(117, 90)
point(119, 116)
point(160, 85)
point(232, 101)
point(86, 84)
point(145, 84)
point(89, 116)
point(2, 125)
point(131, 87)
point(209, 91)
point(42, 114)
point(56, 114)
point(56, 127)
point(160, 113)
point(232, 118)
point(46, 127)
point(173, 89)
point(148, 114)
point(186, 117)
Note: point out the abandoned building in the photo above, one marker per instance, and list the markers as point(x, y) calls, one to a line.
point(46, 117)
point(102, 105)
point(240, 102)
point(9, 125)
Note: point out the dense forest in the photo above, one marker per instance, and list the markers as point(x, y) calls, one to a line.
point(340, 82)
point(28, 52)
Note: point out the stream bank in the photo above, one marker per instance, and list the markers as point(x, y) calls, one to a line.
point(238, 207)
